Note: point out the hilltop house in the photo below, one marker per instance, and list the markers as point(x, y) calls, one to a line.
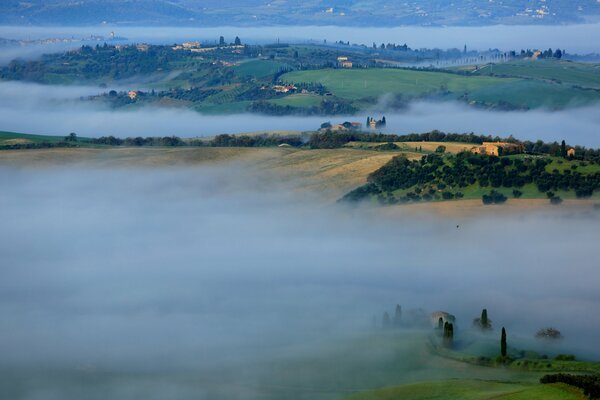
point(132, 94)
point(284, 88)
point(571, 152)
point(497, 148)
point(344, 62)
point(374, 124)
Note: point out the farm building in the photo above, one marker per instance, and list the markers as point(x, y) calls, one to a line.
point(497, 148)
point(571, 152)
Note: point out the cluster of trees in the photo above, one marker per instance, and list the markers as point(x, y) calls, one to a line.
point(433, 175)
point(333, 106)
point(391, 46)
point(590, 384)
point(167, 141)
point(558, 54)
point(388, 322)
point(331, 140)
point(224, 140)
point(548, 334)
point(90, 63)
point(448, 333)
point(538, 147)
point(493, 198)
point(36, 145)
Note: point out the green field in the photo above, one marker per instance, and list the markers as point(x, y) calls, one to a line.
point(7, 138)
point(491, 91)
point(566, 72)
point(258, 68)
point(472, 390)
point(299, 100)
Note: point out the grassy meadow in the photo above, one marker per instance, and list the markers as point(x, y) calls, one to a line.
point(538, 90)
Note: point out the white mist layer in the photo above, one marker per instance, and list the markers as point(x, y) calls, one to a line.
point(56, 110)
point(198, 268)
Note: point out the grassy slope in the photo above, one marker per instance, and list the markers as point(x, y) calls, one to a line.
point(15, 138)
point(331, 173)
point(567, 72)
point(360, 83)
point(475, 192)
point(258, 68)
point(472, 390)
point(298, 100)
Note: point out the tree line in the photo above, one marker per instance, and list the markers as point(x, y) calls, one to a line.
point(434, 176)
point(590, 384)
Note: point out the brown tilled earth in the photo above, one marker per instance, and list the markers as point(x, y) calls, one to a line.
point(328, 173)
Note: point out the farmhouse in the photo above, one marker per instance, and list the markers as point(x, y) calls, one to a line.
point(284, 88)
point(571, 152)
point(132, 94)
point(344, 62)
point(497, 148)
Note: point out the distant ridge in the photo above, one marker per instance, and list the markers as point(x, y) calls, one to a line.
point(294, 12)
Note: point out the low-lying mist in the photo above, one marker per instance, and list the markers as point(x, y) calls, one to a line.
point(165, 269)
point(56, 110)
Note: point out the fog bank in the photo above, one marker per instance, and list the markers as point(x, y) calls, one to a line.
point(119, 280)
point(56, 110)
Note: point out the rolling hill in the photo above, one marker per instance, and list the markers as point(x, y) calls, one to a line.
point(294, 12)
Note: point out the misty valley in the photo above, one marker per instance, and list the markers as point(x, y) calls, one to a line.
point(375, 201)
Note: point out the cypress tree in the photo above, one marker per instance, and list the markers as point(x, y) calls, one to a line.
point(386, 320)
point(440, 323)
point(398, 315)
point(503, 343)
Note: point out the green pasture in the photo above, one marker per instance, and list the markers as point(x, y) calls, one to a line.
point(357, 84)
point(566, 72)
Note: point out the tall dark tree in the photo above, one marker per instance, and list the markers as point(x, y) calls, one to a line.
point(386, 322)
point(503, 343)
point(398, 316)
point(483, 322)
point(484, 317)
point(237, 41)
point(221, 41)
point(383, 122)
point(441, 324)
point(563, 149)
